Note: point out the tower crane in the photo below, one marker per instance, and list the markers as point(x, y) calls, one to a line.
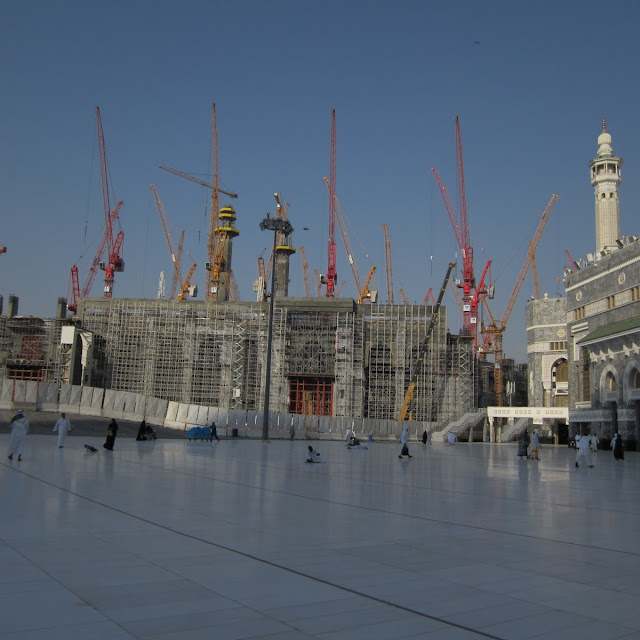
point(430, 299)
point(345, 239)
point(185, 289)
point(367, 293)
point(175, 258)
point(387, 255)
point(331, 276)
point(534, 274)
point(113, 245)
point(496, 329)
point(108, 243)
point(260, 285)
point(471, 295)
point(212, 290)
point(305, 272)
point(408, 398)
point(404, 296)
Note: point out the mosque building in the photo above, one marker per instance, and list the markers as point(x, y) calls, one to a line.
point(584, 349)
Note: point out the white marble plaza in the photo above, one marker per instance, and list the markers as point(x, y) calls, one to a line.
point(241, 539)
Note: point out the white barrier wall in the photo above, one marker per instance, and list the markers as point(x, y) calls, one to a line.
point(123, 405)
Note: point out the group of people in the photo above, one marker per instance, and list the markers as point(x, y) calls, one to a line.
point(20, 429)
point(529, 447)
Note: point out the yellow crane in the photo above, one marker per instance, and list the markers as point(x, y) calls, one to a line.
point(493, 332)
point(305, 272)
point(423, 348)
point(186, 290)
point(366, 293)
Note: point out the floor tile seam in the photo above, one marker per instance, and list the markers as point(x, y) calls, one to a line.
point(563, 505)
point(386, 512)
point(256, 559)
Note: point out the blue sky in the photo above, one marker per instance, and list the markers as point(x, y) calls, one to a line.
point(530, 82)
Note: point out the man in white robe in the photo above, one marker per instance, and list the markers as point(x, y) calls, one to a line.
point(62, 427)
point(404, 438)
point(584, 450)
point(19, 430)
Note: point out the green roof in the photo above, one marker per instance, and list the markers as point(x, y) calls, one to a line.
point(613, 329)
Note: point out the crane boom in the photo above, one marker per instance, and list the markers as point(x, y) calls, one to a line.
point(184, 289)
point(177, 278)
point(387, 255)
point(203, 183)
point(527, 262)
point(534, 274)
point(366, 292)
point(345, 240)
point(332, 252)
point(423, 347)
point(305, 272)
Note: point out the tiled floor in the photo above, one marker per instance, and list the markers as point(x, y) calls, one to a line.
point(187, 540)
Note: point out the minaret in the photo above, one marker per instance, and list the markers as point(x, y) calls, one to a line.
point(605, 178)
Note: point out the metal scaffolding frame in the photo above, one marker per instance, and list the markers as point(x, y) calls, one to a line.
point(329, 358)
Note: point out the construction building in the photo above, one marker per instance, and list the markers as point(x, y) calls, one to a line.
point(331, 357)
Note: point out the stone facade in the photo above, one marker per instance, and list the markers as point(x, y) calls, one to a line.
point(603, 322)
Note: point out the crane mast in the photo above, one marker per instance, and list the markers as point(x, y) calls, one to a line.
point(471, 295)
point(112, 245)
point(332, 252)
point(387, 255)
point(305, 272)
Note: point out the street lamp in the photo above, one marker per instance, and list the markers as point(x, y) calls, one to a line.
point(276, 225)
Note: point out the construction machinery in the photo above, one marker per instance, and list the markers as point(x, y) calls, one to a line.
point(187, 290)
point(494, 331)
point(175, 256)
point(366, 293)
point(282, 253)
point(260, 285)
point(345, 239)
point(387, 255)
point(423, 348)
point(108, 243)
point(214, 256)
point(331, 276)
point(471, 295)
point(305, 272)
point(405, 300)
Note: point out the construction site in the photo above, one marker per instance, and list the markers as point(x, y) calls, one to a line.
point(320, 355)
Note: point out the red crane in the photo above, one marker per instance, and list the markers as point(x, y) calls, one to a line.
point(108, 243)
point(332, 254)
point(471, 295)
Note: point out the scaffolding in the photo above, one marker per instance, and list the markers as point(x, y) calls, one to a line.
point(330, 357)
point(29, 348)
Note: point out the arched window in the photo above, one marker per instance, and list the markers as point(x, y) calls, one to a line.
point(610, 383)
point(561, 371)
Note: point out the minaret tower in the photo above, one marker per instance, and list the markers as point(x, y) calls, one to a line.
point(606, 178)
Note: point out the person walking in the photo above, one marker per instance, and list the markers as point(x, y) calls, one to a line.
point(616, 445)
point(584, 450)
point(534, 446)
point(19, 430)
point(62, 427)
point(112, 432)
point(523, 444)
point(214, 431)
point(404, 438)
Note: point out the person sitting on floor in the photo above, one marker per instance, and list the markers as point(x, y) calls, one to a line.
point(312, 455)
